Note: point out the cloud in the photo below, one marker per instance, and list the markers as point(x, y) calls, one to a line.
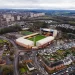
point(38, 4)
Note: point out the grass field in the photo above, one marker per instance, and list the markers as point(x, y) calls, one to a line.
point(26, 32)
point(2, 41)
point(23, 69)
point(36, 38)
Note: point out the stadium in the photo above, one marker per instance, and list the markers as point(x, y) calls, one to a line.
point(36, 40)
point(48, 32)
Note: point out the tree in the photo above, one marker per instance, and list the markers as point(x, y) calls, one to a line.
point(6, 70)
point(10, 29)
point(37, 25)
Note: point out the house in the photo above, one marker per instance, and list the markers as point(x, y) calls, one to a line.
point(67, 61)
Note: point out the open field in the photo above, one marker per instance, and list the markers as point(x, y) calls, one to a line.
point(2, 41)
point(36, 38)
point(23, 69)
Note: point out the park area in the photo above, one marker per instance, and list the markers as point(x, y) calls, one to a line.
point(36, 38)
point(23, 68)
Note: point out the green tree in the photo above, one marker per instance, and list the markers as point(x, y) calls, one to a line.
point(6, 70)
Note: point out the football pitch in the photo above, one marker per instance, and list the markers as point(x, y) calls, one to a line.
point(36, 38)
point(26, 32)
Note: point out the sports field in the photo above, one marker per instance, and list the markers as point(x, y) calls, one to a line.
point(36, 38)
point(26, 32)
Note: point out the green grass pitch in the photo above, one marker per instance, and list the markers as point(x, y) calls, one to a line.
point(36, 38)
point(26, 32)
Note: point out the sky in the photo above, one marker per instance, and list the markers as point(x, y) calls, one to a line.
point(38, 4)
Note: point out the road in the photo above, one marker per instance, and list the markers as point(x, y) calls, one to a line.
point(16, 54)
point(37, 64)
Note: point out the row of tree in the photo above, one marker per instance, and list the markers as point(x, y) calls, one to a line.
point(10, 29)
point(6, 70)
point(65, 20)
point(66, 30)
point(37, 25)
point(67, 33)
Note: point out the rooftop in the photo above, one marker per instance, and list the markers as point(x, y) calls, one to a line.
point(56, 63)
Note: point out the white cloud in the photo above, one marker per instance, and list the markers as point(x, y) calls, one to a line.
point(40, 4)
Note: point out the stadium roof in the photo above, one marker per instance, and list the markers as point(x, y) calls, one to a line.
point(46, 29)
point(25, 41)
point(45, 40)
